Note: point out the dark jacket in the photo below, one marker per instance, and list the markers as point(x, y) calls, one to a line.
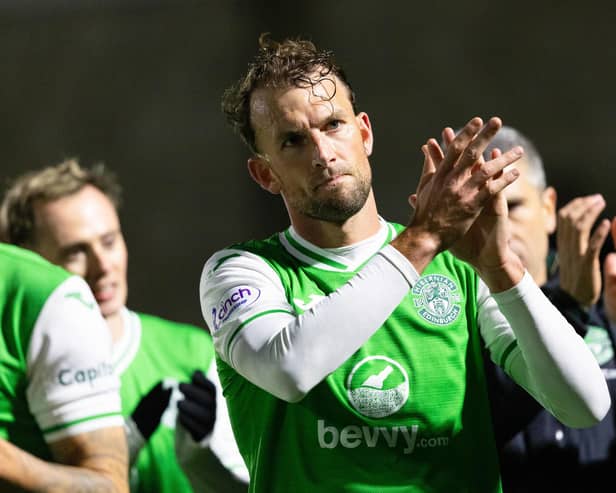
point(536, 451)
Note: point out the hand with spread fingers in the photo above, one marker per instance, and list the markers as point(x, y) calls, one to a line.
point(578, 249)
point(458, 200)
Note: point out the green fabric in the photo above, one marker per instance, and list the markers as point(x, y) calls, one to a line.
point(26, 281)
point(167, 350)
point(408, 412)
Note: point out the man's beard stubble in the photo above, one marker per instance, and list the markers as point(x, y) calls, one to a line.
point(338, 209)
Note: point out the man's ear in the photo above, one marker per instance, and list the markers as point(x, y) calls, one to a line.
point(365, 129)
point(548, 200)
point(261, 172)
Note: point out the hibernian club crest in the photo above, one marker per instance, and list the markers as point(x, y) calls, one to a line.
point(437, 299)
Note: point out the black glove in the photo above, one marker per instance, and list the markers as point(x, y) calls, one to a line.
point(197, 411)
point(148, 412)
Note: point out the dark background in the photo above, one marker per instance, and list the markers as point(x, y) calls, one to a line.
point(137, 84)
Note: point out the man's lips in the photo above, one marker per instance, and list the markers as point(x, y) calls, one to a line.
point(331, 181)
point(104, 293)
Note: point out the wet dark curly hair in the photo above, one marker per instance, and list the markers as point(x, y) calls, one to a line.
point(292, 62)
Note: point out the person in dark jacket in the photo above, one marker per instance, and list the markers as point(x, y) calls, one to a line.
point(536, 451)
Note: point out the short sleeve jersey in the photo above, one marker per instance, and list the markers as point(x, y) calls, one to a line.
point(55, 349)
point(154, 350)
point(407, 412)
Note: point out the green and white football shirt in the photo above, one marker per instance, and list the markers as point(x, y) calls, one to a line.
point(56, 378)
point(406, 412)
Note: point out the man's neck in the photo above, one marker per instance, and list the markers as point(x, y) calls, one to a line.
point(115, 322)
point(327, 234)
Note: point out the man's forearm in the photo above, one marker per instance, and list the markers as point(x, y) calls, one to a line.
point(576, 394)
point(102, 471)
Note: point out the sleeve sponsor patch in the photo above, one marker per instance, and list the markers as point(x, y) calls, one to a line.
point(231, 300)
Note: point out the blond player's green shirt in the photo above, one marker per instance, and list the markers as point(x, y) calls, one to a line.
point(157, 350)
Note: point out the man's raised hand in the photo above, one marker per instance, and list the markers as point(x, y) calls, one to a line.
point(455, 186)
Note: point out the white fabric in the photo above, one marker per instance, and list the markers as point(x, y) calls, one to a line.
point(351, 256)
point(69, 365)
point(126, 347)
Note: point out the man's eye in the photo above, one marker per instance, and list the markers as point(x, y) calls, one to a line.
point(108, 241)
point(72, 254)
point(334, 124)
point(513, 204)
point(293, 140)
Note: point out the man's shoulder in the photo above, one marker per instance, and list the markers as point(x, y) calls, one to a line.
point(29, 282)
point(259, 246)
point(19, 265)
point(254, 253)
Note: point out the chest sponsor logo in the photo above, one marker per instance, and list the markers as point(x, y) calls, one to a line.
point(437, 299)
point(233, 299)
point(404, 438)
point(377, 387)
point(598, 340)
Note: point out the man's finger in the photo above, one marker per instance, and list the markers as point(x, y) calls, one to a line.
point(598, 238)
point(448, 135)
point(434, 152)
point(198, 394)
point(473, 151)
point(461, 141)
point(490, 169)
point(497, 185)
point(428, 170)
point(583, 211)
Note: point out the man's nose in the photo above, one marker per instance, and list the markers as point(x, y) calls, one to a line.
point(323, 151)
point(100, 262)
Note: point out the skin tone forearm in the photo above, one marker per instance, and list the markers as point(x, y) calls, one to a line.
point(90, 462)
